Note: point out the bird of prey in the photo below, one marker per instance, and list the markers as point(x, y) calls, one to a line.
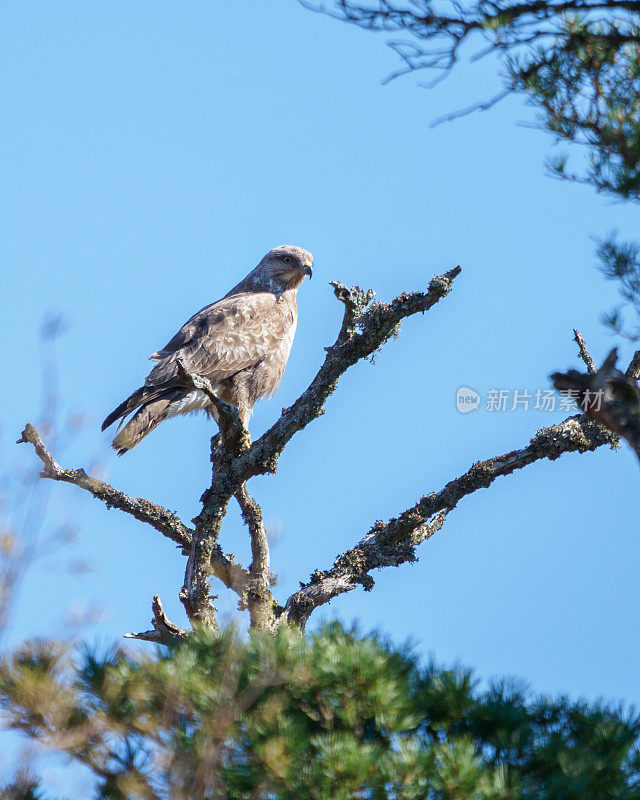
point(240, 344)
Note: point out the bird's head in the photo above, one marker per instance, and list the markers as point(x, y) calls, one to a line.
point(287, 265)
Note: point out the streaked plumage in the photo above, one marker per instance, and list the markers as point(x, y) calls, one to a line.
point(240, 344)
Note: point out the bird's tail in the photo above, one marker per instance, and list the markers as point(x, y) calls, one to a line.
point(153, 407)
point(143, 422)
point(125, 408)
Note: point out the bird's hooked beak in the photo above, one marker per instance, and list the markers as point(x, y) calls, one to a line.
point(307, 268)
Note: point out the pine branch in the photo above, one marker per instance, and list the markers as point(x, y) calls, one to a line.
point(574, 60)
point(440, 36)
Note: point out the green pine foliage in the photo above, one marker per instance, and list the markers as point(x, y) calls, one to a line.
point(620, 262)
point(330, 716)
point(585, 80)
point(577, 63)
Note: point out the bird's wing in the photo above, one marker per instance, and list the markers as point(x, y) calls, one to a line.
point(226, 337)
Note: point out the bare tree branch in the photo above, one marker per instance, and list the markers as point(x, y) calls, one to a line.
point(366, 326)
point(232, 575)
point(144, 510)
point(394, 542)
point(164, 631)
point(259, 599)
point(608, 396)
point(584, 352)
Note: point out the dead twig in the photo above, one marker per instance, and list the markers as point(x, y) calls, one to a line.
point(164, 631)
point(584, 352)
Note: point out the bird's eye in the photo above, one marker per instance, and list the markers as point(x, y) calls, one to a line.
point(287, 259)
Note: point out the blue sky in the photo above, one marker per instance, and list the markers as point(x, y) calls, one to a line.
point(151, 154)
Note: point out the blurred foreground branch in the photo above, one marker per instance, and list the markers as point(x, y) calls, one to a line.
point(607, 396)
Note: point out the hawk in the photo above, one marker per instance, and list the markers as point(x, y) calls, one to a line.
point(240, 344)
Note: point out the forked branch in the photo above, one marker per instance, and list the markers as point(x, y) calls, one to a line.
point(366, 326)
point(223, 566)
